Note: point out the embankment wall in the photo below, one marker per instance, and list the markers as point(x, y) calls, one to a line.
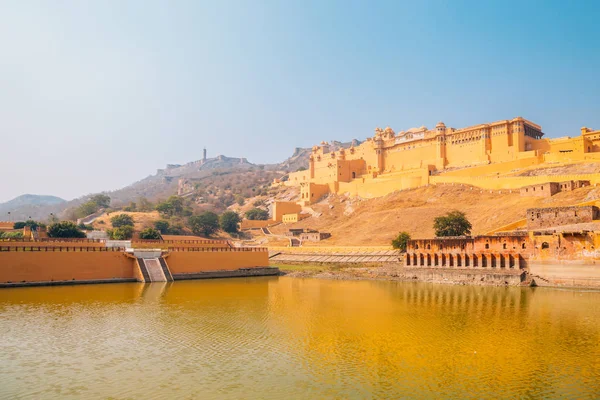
point(188, 262)
point(42, 266)
point(570, 274)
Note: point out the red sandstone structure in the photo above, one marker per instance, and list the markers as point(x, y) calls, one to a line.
point(556, 247)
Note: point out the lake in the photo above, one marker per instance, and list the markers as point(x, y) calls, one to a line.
point(283, 337)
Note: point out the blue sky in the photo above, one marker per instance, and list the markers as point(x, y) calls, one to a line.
point(96, 95)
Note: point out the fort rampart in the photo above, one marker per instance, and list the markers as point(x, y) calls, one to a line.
point(38, 263)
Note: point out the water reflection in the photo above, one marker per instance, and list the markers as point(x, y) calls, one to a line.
point(298, 338)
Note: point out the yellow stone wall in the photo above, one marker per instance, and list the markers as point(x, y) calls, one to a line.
point(478, 155)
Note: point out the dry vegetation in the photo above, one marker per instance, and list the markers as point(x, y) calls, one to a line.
point(377, 221)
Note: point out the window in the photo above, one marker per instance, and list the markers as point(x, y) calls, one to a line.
point(523, 246)
point(504, 245)
point(487, 245)
point(545, 245)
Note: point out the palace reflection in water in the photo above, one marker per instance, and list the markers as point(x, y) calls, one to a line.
point(298, 338)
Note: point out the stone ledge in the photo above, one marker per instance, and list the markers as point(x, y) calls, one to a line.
point(64, 283)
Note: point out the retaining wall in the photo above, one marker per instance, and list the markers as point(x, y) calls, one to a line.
point(47, 266)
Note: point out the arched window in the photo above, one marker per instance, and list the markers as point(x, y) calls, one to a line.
point(523, 246)
point(545, 245)
point(487, 245)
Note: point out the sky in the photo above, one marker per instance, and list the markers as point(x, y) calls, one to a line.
point(95, 95)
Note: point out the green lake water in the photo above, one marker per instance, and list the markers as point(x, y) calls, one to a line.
point(288, 338)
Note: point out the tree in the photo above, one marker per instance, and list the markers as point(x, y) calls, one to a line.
point(257, 214)
point(123, 233)
point(229, 221)
point(144, 204)
point(205, 224)
point(401, 241)
point(162, 226)
point(101, 200)
point(30, 223)
point(454, 223)
point(150, 233)
point(121, 220)
point(170, 207)
point(65, 229)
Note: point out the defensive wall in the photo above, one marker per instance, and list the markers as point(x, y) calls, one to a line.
point(80, 261)
point(484, 155)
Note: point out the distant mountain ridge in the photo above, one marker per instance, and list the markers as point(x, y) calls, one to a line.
point(162, 184)
point(27, 205)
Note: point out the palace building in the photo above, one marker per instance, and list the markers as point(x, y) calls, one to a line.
point(485, 155)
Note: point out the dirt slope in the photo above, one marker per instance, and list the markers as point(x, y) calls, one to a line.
point(377, 221)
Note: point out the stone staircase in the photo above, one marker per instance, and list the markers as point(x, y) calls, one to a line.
point(155, 270)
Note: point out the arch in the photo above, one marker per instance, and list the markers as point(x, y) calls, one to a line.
point(467, 261)
point(511, 261)
point(493, 260)
point(451, 260)
point(353, 175)
point(443, 260)
point(523, 246)
point(487, 245)
point(408, 260)
point(415, 259)
point(436, 260)
point(502, 261)
point(545, 245)
point(458, 261)
point(429, 260)
point(422, 259)
point(475, 261)
point(484, 260)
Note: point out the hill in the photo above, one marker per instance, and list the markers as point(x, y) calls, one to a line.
point(377, 221)
point(27, 205)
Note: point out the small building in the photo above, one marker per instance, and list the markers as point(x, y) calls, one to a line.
point(556, 216)
point(551, 188)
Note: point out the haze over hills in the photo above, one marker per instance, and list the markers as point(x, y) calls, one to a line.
point(26, 205)
point(164, 183)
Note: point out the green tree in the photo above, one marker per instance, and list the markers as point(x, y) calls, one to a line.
point(171, 207)
point(65, 229)
point(162, 226)
point(124, 232)
point(144, 205)
point(229, 221)
point(121, 220)
point(101, 200)
point(455, 223)
point(401, 241)
point(150, 233)
point(257, 214)
point(30, 223)
point(205, 224)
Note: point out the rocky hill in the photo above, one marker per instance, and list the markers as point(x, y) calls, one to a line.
point(359, 222)
point(30, 205)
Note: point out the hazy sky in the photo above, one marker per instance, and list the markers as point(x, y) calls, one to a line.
point(95, 95)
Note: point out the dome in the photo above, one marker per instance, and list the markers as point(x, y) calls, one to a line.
point(440, 125)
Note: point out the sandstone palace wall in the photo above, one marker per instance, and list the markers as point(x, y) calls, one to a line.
point(482, 155)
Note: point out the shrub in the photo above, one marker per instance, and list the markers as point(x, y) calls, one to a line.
point(65, 229)
point(121, 220)
point(257, 214)
point(454, 223)
point(123, 233)
point(401, 241)
point(150, 233)
point(229, 221)
point(11, 235)
point(205, 224)
point(162, 226)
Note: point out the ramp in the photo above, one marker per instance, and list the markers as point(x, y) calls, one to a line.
point(154, 270)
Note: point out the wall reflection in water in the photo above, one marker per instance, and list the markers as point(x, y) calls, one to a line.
point(298, 338)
